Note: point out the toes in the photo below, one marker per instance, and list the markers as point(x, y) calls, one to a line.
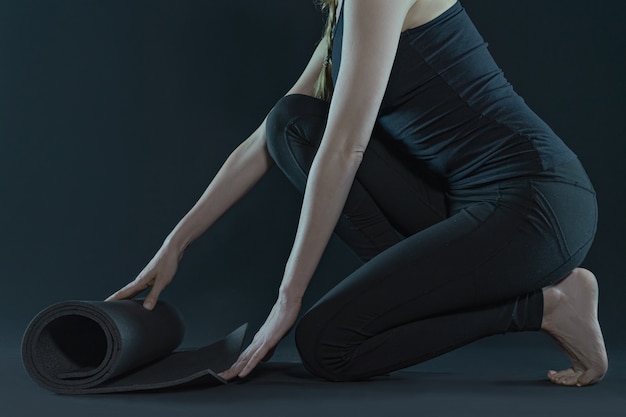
point(554, 376)
point(566, 377)
point(570, 380)
point(574, 377)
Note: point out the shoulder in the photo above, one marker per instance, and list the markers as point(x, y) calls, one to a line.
point(368, 23)
point(414, 12)
point(363, 12)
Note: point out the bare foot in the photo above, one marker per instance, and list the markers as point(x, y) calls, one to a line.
point(570, 316)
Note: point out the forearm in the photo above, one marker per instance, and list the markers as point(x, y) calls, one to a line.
point(245, 166)
point(329, 182)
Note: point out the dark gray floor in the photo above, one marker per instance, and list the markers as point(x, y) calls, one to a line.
point(483, 379)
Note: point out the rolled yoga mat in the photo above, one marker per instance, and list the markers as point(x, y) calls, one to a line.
point(85, 347)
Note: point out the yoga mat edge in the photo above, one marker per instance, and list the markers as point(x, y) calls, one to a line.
point(81, 347)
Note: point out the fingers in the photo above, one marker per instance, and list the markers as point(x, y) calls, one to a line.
point(144, 280)
point(246, 362)
point(269, 354)
point(129, 291)
point(252, 362)
point(235, 367)
point(134, 288)
point(153, 296)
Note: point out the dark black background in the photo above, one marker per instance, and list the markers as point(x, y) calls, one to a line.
point(115, 116)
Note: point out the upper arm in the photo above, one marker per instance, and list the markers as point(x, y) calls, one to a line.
point(370, 40)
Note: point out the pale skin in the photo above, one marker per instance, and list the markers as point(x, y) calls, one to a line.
point(371, 33)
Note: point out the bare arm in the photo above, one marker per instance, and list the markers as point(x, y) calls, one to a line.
point(371, 35)
point(245, 166)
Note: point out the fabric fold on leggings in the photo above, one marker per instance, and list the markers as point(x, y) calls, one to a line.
point(472, 264)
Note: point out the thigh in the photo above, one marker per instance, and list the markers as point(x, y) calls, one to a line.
point(408, 197)
point(487, 252)
point(295, 128)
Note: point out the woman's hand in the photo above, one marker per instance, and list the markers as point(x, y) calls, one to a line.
point(157, 274)
point(280, 320)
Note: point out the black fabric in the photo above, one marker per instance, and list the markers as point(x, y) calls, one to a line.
point(449, 104)
point(84, 347)
point(469, 262)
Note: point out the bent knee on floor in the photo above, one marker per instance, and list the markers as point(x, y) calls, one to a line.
point(323, 358)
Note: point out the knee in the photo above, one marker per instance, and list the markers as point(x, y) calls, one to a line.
point(276, 124)
point(321, 357)
point(286, 110)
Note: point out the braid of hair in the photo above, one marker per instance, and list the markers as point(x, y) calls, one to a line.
point(324, 85)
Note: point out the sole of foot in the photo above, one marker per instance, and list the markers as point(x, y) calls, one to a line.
point(571, 318)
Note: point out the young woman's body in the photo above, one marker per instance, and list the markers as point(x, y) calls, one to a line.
point(372, 30)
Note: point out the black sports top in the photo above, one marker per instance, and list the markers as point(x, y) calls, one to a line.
point(450, 104)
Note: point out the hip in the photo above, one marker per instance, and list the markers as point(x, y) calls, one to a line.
point(557, 203)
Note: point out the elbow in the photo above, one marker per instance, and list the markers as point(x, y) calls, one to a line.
point(342, 149)
point(344, 153)
point(347, 160)
point(351, 152)
point(354, 155)
point(346, 150)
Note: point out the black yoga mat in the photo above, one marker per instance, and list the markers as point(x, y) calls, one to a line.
point(84, 347)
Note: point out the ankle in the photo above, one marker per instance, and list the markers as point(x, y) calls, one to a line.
point(551, 298)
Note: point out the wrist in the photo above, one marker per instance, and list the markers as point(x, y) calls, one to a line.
point(289, 296)
point(172, 244)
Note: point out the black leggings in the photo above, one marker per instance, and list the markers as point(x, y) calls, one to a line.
point(442, 268)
